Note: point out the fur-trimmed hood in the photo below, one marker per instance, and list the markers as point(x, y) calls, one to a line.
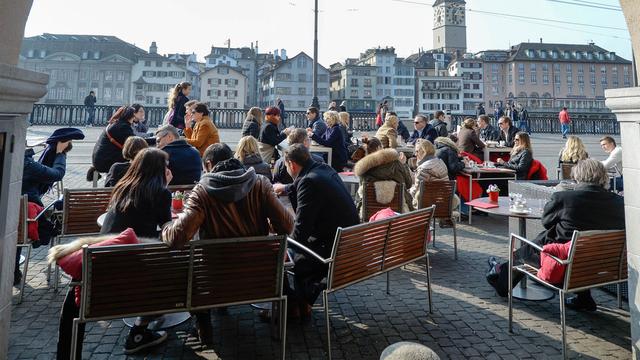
point(380, 157)
point(59, 251)
point(445, 141)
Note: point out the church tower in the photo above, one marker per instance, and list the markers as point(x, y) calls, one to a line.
point(449, 26)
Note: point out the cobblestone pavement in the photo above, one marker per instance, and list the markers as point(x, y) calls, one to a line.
point(468, 322)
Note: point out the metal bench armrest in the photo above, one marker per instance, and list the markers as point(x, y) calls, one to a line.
point(42, 212)
point(308, 251)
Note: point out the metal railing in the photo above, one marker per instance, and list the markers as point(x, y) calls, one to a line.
point(539, 122)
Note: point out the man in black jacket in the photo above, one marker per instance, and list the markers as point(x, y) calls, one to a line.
point(507, 131)
point(184, 159)
point(323, 205)
point(439, 124)
point(422, 130)
point(487, 131)
point(108, 148)
point(90, 107)
point(589, 207)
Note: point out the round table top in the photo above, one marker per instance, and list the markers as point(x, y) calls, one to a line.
point(503, 208)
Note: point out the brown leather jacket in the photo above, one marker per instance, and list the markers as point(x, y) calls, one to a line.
point(229, 204)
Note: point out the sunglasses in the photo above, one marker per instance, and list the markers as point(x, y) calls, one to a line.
point(516, 139)
point(417, 122)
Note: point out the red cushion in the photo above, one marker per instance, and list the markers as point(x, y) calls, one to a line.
point(537, 171)
point(550, 271)
point(33, 210)
point(72, 263)
point(383, 214)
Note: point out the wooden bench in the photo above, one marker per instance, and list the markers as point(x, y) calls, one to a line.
point(366, 250)
point(151, 279)
point(596, 258)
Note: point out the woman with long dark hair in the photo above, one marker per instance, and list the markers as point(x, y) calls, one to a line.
point(108, 148)
point(141, 200)
point(177, 98)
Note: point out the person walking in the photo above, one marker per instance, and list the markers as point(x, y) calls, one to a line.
point(524, 120)
point(283, 114)
point(90, 107)
point(565, 120)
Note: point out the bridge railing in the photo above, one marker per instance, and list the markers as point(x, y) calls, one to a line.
point(76, 115)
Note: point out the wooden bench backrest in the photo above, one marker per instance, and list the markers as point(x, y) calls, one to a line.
point(407, 240)
point(440, 194)
point(131, 280)
point(22, 220)
point(371, 206)
point(227, 271)
point(81, 210)
point(565, 171)
point(597, 257)
point(365, 250)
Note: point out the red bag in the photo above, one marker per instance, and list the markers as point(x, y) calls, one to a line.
point(379, 120)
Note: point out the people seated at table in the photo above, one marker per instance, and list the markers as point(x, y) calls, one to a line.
point(383, 165)
point(141, 200)
point(323, 205)
point(388, 132)
point(430, 168)
point(487, 131)
point(447, 151)
point(184, 160)
point(204, 133)
point(439, 124)
point(228, 202)
point(468, 140)
point(573, 151)
point(588, 207)
point(249, 155)
point(132, 146)
point(281, 176)
point(521, 156)
point(315, 123)
point(613, 163)
point(508, 131)
point(332, 138)
point(422, 130)
point(108, 148)
point(270, 135)
point(252, 123)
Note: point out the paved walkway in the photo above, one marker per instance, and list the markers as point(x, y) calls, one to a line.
point(469, 320)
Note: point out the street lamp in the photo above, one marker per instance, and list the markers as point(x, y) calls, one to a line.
point(314, 101)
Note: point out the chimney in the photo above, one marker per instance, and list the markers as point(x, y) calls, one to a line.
point(283, 54)
point(153, 49)
point(256, 47)
point(540, 40)
point(275, 54)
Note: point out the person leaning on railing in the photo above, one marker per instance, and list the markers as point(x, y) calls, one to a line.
point(588, 207)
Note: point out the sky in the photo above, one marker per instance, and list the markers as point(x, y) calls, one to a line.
point(346, 27)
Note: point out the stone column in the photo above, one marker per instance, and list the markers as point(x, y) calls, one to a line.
point(19, 89)
point(625, 103)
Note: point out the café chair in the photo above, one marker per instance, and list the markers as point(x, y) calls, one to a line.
point(440, 193)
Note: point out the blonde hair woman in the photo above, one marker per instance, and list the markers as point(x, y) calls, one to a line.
point(252, 123)
point(332, 138)
point(430, 168)
point(178, 97)
point(248, 152)
point(521, 156)
point(344, 127)
point(388, 132)
point(573, 151)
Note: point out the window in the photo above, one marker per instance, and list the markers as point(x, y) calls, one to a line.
point(476, 86)
point(545, 78)
point(581, 79)
point(367, 94)
point(302, 91)
point(96, 55)
point(593, 79)
point(283, 76)
point(108, 75)
point(119, 93)
point(222, 70)
point(354, 82)
point(534, 77)
point(569, 68)
point(43, 53)
point(556, 78)
point(283, 91)
point(302, 77)
point(159, 63)
point(120, 75)
point(95, 75)
point(367, 82)
point(302, 62)
point(147, 63)
point(106, 94)
point(354, 93)
point(82, 75)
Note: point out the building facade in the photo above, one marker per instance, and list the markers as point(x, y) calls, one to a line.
point(155, 76)
point(78, 64)
point(549, 76)
point(355, 85)
point(291, 81)
point(224, 87)
point(470, 69)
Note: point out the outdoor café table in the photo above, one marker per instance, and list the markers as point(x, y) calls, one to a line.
point(486, 174)
point(165, 321)
point(531, 291)
point(500, 150)
point(315, 148)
